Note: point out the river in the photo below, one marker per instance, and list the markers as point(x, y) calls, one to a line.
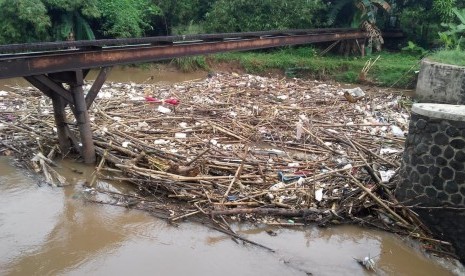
point(53, 231)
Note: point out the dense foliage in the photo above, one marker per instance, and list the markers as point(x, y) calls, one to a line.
point(181, 15)
point(126, 18)
point(41, 20)
point(23, 21)
point(428, 23)
point(245, 15)
point(422, 20)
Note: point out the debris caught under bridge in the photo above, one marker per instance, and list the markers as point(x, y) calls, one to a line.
point(248, 147)
point(51, 66)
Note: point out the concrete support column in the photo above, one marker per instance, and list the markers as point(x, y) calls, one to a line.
point(433, 170)
point(440, 83)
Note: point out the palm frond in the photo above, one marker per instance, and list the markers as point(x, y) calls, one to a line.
point(460, 14)
point(384, 4)
point(82, 28)
point(65, 26)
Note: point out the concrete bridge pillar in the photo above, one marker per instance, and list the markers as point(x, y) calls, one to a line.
point(433, 170)
point(440, 83)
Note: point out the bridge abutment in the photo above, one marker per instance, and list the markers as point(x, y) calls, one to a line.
point(433, 170)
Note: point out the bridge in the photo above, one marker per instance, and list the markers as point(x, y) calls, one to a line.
point(50, 65)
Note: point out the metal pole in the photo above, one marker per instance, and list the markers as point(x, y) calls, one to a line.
point(98, 83)
point(60, 122)
point(82, 118)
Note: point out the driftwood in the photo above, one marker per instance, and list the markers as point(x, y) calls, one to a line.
point(269, 211)
point(237, 145)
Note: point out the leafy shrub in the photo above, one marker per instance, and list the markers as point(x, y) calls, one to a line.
point(453, 36)
point(413, 48)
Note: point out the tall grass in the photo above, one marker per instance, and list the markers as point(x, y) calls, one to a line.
point(189, 64)
point(454, 57)
point(396, 69)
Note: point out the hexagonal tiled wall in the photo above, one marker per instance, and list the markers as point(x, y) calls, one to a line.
point(433, 170)
point(433, 175)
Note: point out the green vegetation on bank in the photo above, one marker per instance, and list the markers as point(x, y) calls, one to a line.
point(454, 57)
point(391, 69)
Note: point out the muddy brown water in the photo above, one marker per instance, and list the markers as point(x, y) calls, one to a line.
point(155, 73)
point(53, 231)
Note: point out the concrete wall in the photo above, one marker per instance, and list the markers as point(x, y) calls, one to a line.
point(440, 83)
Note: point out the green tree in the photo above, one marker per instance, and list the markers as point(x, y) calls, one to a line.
point(126, 18)
point(23, 21)
point(245, 15)
point(183, 16)
point(444, 8)
point(421, 20)
point(45, 20)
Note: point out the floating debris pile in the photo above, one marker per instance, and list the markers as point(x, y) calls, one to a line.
point(250, 147)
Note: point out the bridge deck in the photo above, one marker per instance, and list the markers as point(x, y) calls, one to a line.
point(19, 60)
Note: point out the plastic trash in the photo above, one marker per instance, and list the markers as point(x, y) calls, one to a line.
point(388, 151)
point(152, 99)
point(346, 167)
point(277, 186)
point(142, 125)
point(172, 101)
point(232, 198)
point(386, 175)
point(161, 142)
point(286, 179)
point(353, 95)
point(180, 135)
point(163, 109)
point(396, 131)
point(319, 194)
point(355, 92)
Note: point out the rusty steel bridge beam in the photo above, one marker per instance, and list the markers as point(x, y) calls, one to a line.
point(70, 60)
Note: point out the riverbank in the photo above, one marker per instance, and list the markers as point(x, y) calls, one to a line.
point(384, 69)
point(390, 69)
